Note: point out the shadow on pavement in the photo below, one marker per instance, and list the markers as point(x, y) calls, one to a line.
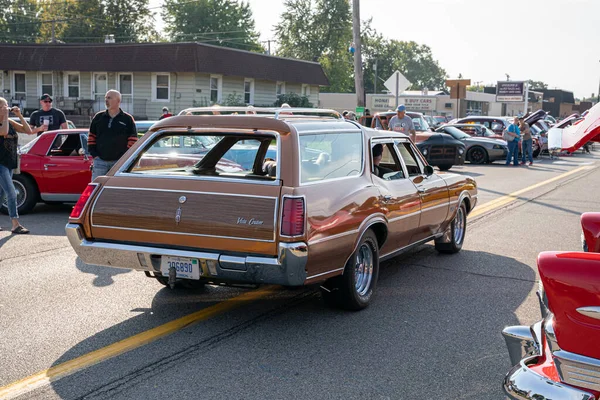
point(104, 275)
point(434, 327)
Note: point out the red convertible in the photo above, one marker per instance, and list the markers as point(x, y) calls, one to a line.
point(559, 357)
point(54, 169)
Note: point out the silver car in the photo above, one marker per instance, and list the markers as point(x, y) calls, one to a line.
point(480, 150)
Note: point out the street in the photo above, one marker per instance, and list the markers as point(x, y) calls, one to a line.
point(432, 331)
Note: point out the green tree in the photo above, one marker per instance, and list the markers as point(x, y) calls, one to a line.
point(319, 31)
point(414, 61)
point(226, 23)
point(533, 85)
point(19, 21)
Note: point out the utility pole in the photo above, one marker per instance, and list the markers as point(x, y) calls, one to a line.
point(375, 81)
point(358, 72)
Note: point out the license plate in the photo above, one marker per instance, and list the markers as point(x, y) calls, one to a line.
point(186, 268)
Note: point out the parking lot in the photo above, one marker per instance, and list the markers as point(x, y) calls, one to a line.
point(70, 330)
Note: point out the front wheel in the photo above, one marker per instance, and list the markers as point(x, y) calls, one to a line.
point(445, 167)
point(477, 155)
point(453, 239)
point(354, 289)
point(27, 195)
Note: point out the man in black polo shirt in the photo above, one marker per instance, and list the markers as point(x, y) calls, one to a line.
point(47, 118)
point(112, 132)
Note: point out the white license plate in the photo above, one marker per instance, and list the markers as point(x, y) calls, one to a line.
point(186, 268)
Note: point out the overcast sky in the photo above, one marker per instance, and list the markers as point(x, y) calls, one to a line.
point(549, 40)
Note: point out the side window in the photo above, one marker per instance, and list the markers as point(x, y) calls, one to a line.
point(414, 166)
point(385, 162)
point(65, 145)
point(330, 156)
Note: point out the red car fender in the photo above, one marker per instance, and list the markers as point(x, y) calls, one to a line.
point(590, 223)
point(571, 283)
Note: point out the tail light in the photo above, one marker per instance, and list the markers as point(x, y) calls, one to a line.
point(83, 199)
point(293, 216)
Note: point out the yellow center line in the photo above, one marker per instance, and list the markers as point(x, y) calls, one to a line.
point(69, 367)
point(509, 198)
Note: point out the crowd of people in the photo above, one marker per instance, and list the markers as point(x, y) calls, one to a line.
point(519, 131)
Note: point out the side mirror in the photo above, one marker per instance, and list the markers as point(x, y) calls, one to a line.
point(428, 170)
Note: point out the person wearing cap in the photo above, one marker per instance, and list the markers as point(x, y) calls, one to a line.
point(47, 118)
point(165, 113)
point(403, 123)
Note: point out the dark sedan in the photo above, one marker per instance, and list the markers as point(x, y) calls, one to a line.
point(480, 150)
point(441, 150)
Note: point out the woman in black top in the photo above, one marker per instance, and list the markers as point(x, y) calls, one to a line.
point(9, 139)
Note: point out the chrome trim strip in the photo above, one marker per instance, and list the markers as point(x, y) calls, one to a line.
point(333, 237)
point(404, 216)
point(66, 197)
point(578, 370)
point(191, 191)
point(406, 248)
point(182, 233)
point(201, 178)
point(590, 311)
point(435, 207)
point(325, 273)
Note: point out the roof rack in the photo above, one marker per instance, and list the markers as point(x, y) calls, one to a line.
point(276, 112)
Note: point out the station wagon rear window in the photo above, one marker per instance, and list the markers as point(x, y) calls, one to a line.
point(330, 156)
point(238, 156)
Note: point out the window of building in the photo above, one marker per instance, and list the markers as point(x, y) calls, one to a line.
point(216, 85)
point(306, 90)
point(126, 84)
point(249, 91)
point(280, 88)
point(72, 84)
point(19, 86)
point(161, 87)
point(46, 84)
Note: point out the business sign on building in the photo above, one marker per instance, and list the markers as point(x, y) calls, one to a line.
point(412, 103)
point(510, 91)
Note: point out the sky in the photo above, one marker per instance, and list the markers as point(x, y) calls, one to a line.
point(553, 41)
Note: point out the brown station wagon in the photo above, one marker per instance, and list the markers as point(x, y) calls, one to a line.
point(305, 204)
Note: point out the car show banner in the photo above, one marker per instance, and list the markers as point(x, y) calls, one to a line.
point(510, 91)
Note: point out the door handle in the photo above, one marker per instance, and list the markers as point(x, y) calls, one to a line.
point(49, 165)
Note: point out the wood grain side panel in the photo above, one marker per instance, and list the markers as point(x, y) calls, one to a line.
point(201, 214)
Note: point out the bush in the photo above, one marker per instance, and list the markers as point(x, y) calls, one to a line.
point(294, 100)
point(233, 100)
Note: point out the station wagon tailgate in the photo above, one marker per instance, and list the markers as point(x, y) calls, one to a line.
point(223, 216)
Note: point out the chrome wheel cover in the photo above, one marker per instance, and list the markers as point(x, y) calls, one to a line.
point(459, 226)
point(363, 270)
point(21, 195)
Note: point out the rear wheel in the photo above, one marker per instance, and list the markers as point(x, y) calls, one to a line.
point(354, 289)
point(27, 194)
point(477, 155)
point(456, 236)
point(445, 167)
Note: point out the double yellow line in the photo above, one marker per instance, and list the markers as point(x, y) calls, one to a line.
point(69, 367)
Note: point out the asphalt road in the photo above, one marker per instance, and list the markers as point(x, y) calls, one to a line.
point(432, 331)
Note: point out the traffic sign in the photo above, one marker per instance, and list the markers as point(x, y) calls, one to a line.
point(399, 86)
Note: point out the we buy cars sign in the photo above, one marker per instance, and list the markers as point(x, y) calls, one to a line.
point(510, 91)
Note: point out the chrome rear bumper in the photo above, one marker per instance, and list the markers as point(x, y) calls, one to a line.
point(288, 269)
point(521, 382)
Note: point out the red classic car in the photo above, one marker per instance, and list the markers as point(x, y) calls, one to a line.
point(54, 169)
point(559, 357)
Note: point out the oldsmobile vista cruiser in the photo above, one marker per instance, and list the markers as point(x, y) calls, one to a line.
point(317, 200)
